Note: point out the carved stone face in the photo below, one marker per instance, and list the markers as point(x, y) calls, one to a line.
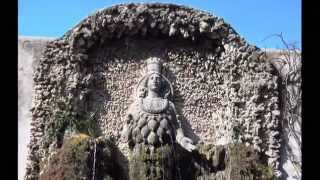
point(154, 82)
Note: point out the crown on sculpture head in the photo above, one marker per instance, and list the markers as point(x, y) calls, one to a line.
point(153, 65)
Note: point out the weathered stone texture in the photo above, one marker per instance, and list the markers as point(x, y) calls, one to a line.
point(29, 51)
point(225, 90)
point(288, 63)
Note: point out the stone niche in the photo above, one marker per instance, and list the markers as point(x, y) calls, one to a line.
point(224, 92)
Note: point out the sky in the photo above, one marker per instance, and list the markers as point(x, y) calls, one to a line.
point(255, 20)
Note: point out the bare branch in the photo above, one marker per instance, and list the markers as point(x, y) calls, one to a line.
point(289, 64)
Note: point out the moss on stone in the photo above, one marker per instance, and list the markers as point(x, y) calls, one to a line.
point(70, 162)
point(235, 161)
point(245, 163)
point(145, 164)
point(229, 162)
point(77, 157)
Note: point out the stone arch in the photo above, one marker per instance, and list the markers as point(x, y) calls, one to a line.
point(140, 19)
point(70, 71)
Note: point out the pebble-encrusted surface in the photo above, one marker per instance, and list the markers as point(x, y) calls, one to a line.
point(225, 91)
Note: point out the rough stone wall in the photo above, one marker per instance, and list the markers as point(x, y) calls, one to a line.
point(288, 63)
point(29, 51)
point(28, 60)
point(223, 85)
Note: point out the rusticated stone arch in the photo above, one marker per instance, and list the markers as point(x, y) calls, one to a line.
point(144, 20)
point(226, 92)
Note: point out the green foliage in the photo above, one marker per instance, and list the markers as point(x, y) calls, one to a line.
point(64, 118)
point(70, 162)
point(76, 157)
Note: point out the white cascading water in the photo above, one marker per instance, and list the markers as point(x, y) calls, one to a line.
point(94, 161)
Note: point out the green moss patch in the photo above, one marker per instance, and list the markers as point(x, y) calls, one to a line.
point(70, 162)
point(147, 164)
point(82, 157)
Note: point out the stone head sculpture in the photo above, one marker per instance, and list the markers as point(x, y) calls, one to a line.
point(154, 84)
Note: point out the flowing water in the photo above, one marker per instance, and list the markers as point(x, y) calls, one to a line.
point(94, 161)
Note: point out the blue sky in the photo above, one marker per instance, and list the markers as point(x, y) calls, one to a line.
point(255, 20)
